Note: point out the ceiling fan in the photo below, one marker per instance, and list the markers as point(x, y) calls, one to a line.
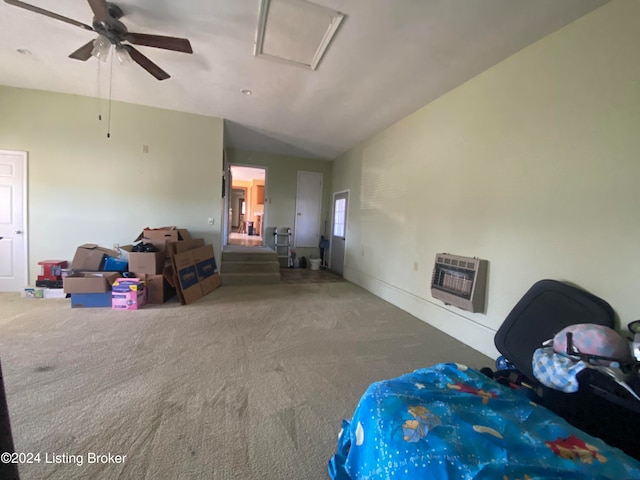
point(111, 31)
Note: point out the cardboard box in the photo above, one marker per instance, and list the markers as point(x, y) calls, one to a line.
point(208, 275)
point(151, 263)
point(89, 282)
point(160, 236)
point(128, 294)
point(159, 290)
point(122, 285)
point(196, 273)
point(89, 257)
point(184, 245)
point(90, 300)
point(128, 300)
point(189, 288)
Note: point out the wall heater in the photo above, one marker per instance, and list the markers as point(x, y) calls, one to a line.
point(460, 281)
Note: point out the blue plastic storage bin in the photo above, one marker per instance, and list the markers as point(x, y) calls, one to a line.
point(112, 264)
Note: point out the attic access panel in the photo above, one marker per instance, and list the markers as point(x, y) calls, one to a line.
point(295, 31)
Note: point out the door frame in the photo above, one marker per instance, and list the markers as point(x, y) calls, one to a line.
point(346, 219)
point(226, 194)
point(229, 188)
point(25, 216)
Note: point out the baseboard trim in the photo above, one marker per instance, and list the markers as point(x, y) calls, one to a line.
point(469, 332)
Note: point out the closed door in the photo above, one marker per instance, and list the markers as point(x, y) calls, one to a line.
point(339, 232)
point(308, 209)
point(13, 245)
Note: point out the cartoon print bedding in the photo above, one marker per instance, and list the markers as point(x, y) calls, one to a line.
point(452, 422)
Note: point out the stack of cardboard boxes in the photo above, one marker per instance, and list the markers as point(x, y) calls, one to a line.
point(87, 283)
point(181, 265)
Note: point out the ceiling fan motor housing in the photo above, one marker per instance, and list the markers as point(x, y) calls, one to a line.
point(111, 27)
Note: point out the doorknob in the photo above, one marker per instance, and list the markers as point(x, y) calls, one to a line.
point(18, 232)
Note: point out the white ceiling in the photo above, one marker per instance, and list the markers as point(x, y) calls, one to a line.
point(388, 58)
point(247, 173)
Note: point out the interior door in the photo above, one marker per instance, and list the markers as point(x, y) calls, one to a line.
point(339, 232)
point(308, 209)
point(13, 243)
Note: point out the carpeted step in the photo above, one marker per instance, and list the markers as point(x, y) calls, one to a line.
point(249, 267)
point(250, 278)
point(255, 266)
point(266, 256)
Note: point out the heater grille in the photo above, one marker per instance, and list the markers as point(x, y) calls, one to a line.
point(459, 281)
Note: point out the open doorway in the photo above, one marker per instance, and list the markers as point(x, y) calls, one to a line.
point(246, 215)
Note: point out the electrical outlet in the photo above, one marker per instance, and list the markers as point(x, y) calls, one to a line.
point(415, 266)
point(210, 220)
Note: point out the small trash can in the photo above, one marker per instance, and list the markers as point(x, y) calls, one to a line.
point(249, 228)
point(315, 263)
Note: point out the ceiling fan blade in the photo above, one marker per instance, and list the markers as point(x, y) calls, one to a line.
point(84, 52)
point(47, 13)
point(100, 10)
point(160, 41)
point(145, 63)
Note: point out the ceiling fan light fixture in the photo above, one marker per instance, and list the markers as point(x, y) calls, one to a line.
point(101, 47)
point(122, 54)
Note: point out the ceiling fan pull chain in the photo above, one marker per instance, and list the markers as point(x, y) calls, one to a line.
point(99, 94)
point(110, 86)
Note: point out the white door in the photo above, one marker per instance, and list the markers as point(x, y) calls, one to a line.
point(339, 232)
point(13, 238)
point(308, 209)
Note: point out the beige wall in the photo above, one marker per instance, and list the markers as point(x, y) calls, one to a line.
point(87, 188)
point(533, 165)
point(281, 188)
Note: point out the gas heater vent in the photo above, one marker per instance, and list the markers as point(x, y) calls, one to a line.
point(460, 281)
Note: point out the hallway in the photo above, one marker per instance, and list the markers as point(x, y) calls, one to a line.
point(244, 239)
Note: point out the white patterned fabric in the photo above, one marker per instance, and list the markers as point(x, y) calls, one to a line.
point(556, 371)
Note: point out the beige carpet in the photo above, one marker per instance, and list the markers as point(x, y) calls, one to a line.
point(247, 383)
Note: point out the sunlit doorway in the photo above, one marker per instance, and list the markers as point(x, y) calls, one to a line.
point(246, 206)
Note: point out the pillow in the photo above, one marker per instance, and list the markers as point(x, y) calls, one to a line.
point(592, 343)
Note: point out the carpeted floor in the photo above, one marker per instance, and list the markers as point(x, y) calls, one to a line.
point(306, 275)
point(249, 383)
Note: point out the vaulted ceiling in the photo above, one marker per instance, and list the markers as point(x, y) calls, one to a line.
point(387, 59)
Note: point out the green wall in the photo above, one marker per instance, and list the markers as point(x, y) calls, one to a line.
point(532, 165)
point(281, 189)
point(86, 188)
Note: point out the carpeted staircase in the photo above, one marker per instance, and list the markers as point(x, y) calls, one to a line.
point(249, 266)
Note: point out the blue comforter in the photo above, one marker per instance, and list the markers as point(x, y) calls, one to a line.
point(452, 422)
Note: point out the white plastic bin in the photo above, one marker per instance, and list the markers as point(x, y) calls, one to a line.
point(315, 263)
